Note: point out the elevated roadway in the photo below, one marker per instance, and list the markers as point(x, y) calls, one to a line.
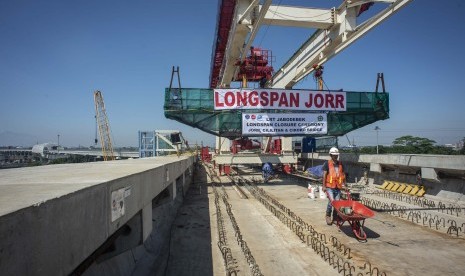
point(266, 231)
point(95, 152)
point(127, 216)
point(52, 218)
point(126, 154)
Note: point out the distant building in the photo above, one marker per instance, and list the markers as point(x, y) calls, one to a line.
point(459, 145)
point(350, 147)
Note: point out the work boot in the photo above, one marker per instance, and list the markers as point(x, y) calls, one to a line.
point(329, 220)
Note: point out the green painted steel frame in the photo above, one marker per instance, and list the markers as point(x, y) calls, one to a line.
point(194, 107)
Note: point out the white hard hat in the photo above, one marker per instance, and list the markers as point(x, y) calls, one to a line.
point(334, 151)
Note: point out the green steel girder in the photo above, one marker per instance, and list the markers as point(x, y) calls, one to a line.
point(194, 107)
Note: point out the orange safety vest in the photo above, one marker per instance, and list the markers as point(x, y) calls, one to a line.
point(334, 179)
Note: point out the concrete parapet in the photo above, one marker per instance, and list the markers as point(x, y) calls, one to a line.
point(375, 167)
point(429, 173)
point(442, 175)
point(52, 218)
point(445, 164)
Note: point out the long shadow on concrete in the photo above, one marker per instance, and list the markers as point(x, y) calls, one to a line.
point(190, 251)
point(347, 229)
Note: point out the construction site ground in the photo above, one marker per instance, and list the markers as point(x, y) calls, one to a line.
point(267, 246)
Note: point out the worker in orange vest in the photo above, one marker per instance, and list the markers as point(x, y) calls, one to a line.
point(334, 179)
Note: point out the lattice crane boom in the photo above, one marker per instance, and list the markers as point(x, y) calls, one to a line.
point(103, 127)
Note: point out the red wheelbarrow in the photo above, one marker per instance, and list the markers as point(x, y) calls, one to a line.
point(353, 212)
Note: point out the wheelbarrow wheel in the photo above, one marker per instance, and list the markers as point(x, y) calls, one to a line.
point(358, 231)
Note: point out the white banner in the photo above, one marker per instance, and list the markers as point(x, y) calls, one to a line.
point(264, 124)
point(279, 99)
point(117, 204)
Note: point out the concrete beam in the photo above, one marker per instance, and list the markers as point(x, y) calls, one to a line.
point(222, 145)
point(375, 167)
point(173, 190)
point(53, 217)
point(437, 162)
point(429, 173)
point(146, 221)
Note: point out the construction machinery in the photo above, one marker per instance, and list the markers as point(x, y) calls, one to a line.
point(103, 127)
point(275, 109)
point(318, 75)
point(244, 143)
point(161, 142)
point(256, 67)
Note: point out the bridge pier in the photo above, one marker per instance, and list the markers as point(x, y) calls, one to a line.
point(146, 221)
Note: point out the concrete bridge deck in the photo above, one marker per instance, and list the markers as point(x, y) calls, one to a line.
point(52, 218)
point(395, 246)
point(127, 217)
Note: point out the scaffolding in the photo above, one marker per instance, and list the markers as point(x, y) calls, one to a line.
point(160, 142)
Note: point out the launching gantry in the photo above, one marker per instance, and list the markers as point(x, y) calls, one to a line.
point(336, 28)
point(233, 56)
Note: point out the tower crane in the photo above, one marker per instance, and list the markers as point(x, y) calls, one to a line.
point(103, 127)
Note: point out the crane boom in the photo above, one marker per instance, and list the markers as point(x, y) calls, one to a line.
point(103, 127)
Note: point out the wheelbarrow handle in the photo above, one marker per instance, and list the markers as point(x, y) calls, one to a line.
point(346, 189)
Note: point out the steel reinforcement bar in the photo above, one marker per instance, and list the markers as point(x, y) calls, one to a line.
point(229, 261)
point(332, 251)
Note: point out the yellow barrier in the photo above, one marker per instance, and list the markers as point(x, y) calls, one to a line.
point(415, 190)
point(389, 186)
point(401, 188)
point(395, 187)
point(421, 192)
point(408, 189)
point(384, 185)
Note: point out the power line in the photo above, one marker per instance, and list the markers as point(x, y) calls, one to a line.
point(268, 26)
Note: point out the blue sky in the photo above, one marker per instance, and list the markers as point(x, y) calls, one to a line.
point(55, 54)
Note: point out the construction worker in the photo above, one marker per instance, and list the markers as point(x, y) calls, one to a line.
point(267, 171)
point(334, 179)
